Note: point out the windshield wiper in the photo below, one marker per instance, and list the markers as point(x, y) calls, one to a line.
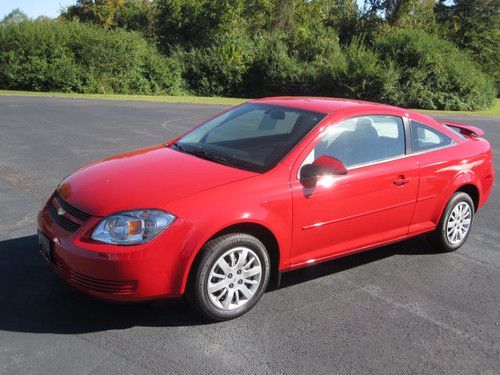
point(178, 146)
point(209, 156)
point(203, 154)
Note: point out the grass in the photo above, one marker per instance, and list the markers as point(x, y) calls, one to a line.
point(142, 98)
point(494, 111)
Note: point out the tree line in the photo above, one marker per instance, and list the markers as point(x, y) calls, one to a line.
point(413, 53)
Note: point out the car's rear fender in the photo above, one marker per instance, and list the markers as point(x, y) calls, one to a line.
point(460, 180)
point(479, 177)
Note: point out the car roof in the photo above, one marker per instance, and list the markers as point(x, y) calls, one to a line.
point(319, 104)
point(336, 105)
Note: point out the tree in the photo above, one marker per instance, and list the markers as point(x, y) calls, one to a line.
point(42, 18)
point(132, 15)
point(473, 25)
point(16, 16)
point(344, 17)
point(137, 15)
point(99, 12)
point(412, 13)
point(193, 23)
point(389, 10)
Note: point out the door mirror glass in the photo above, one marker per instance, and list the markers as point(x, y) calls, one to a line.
point(324, 165)
point(309, 174)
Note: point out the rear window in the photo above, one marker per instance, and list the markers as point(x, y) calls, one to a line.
point(425, 137)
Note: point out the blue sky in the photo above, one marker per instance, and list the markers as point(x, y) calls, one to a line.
point(34, 8)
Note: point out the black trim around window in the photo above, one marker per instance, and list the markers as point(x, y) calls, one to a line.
point(407, 130)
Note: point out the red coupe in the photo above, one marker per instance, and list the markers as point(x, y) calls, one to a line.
point(265, 187)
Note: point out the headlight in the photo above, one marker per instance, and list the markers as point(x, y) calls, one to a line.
point(132, 227)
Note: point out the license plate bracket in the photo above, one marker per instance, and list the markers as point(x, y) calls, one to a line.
point(44, 246)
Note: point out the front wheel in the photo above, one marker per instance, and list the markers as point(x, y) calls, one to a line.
point(455, 224)
point(230, 277)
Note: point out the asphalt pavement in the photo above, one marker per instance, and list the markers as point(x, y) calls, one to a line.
point(397, 309)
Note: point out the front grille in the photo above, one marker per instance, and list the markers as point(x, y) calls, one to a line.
point(59, 210)
point(67, 224)
point(73, 211)
point(92, 283)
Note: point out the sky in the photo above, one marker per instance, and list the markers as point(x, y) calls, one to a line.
point(34, 8)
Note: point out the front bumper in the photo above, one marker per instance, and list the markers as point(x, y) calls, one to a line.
point(120, 273)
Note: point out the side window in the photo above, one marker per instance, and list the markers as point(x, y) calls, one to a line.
point(362, 140)
point(424, 137)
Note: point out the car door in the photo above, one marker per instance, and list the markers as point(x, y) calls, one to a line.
point(439, 164)
point(373, 203)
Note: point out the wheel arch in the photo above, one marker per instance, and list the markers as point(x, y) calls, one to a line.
point(259, 231)
point(472, 191)
point(464, 182)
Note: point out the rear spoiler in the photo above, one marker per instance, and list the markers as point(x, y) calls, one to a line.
point(469, 130)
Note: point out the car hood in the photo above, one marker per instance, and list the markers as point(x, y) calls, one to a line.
point(147, 178)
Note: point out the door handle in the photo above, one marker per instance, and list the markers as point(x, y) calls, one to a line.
point(401, 180)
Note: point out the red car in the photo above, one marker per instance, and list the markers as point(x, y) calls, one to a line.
point(265, 187)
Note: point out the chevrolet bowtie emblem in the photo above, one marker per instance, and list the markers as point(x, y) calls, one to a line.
point(61, 211)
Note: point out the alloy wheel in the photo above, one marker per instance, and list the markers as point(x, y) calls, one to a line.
point(459, 223)
point(234, 278)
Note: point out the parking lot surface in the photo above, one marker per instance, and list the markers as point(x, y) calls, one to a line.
point(397, 309)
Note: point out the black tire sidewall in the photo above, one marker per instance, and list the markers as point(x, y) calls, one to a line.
point(212, 251)
point(454, 201)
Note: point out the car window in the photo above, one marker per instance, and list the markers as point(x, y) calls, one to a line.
point(252, 136)
point(253, 124)
point(362, 140)
point(425, 137)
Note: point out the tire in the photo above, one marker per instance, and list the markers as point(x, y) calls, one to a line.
point(459, 216)
point(230, 277)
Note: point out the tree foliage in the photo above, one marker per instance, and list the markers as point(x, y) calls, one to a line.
point(133, 15)
point(433, 73)
point(55, 56)
point(473, 25)
point(17, 15)
point(424, 53)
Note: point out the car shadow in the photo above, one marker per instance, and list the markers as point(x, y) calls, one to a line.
point(413, 246)
point(35, 300)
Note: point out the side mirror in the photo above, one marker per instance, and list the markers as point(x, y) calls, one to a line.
point(324, 165)
point(309, 174)
point(330, 165)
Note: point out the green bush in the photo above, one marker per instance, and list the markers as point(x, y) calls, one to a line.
point(434, 74)
point(218, 70)
point(403, 67)
point(69, 56)
point(306, 63)
point(263, 65)
point(365, 76)
point(276, 71)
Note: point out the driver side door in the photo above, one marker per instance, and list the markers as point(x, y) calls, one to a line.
point(372, 204)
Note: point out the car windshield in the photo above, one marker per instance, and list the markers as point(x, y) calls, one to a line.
point(252, 136)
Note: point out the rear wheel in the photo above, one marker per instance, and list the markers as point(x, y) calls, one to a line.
point(455, 224)
point(230, 277)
